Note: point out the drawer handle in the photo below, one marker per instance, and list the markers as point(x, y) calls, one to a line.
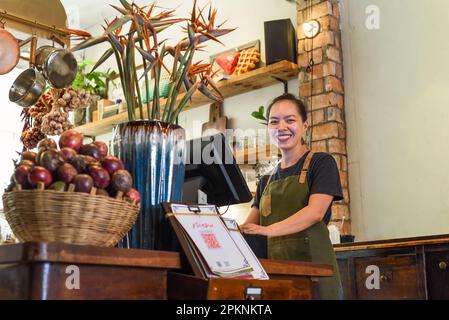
point(383, 278)
point(442, 265)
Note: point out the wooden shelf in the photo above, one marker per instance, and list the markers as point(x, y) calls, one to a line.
point(253, 80)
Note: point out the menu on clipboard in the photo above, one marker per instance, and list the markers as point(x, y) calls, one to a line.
point(214, 246)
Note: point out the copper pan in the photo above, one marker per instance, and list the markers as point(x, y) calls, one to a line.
point(9, 51)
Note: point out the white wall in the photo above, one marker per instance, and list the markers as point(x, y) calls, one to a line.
point(248, 16)
point(10, 130)
point(397, 109)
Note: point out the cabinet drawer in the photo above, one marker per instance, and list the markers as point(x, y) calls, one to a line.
point(437, 270)
point(388, 278)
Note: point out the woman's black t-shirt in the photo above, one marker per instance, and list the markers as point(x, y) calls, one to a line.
point(322, 177)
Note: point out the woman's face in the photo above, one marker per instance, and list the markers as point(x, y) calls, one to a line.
point(285, 125)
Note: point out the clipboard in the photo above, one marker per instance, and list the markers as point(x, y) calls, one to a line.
point(203, 258)
point(207, 242)
point(195, 263)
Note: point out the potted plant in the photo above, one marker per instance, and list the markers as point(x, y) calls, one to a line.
point(260, 115)
point(96, 83)
point(150, 143)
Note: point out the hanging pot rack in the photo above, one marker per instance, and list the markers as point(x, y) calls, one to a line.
point(57, 34)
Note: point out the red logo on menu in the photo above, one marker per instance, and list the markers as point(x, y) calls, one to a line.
point(210, 240)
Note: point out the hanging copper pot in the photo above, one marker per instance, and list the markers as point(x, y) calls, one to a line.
point(9, 51)
point(30, 84)
point(58, 65)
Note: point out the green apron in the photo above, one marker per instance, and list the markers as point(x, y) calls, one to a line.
point(283, 198)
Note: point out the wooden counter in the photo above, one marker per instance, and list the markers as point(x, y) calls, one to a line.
point(53, 271)
point(46, 271)
point(408, 268)
point(289, 280)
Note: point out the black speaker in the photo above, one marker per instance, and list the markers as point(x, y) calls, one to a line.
point(280, 41)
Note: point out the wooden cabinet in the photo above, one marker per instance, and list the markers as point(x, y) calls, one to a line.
point(437, 271)
point(413, 268)
point(398, 278)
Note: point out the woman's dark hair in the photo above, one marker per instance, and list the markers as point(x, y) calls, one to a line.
point(289, 97)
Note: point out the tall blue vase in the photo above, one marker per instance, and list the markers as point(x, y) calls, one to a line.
point(154, 153)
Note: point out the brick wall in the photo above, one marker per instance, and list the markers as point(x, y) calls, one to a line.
point(327, 96)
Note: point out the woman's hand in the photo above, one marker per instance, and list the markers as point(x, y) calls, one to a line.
point(251, 228)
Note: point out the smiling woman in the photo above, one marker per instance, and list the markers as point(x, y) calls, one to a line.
point(293, 205)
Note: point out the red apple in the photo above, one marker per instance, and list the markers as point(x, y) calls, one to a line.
point(21, 175)
point(83, 183)
point(134, 195)
point(66, 173)
point(112, 164)
point(39, 174)
point(71, 139)
point(122, 181)
point(67, 154)
point(103, 147)
point(29, 155)
point(100, 176)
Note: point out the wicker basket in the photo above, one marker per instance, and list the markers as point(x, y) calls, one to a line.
point(69, 217)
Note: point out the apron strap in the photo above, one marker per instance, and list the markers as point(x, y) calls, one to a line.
point(268, 182)
point(305, 168)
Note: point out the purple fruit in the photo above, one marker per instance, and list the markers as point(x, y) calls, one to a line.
point(92, 162)
point(27, 163)
point(122, 181)
point(134, 195)
point(21, 175)
point(112, 164)
point(71, 139)
point(47, 144)
point(103, 147)
point(66, 173)
point(91, 150)
point(83, 183)
point(80, 163)
point(100, 176)
point(39, 174)
point(29, 155)
point(51, 160)
point(67, 154)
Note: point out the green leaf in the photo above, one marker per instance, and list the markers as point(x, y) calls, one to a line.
point(117, 24)
point(115, 43)
point(208, 93)
point(122, 11)
point(148, 56)
point(103, 58)
point(184, 100)
point(126, 5)
point(89, 43)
